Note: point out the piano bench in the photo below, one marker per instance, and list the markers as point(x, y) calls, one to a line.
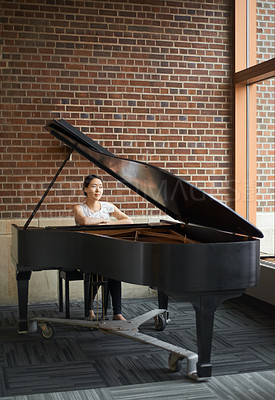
point(78, 275)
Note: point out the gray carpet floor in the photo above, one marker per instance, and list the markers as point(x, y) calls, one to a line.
point(78, 363)
point(247, 386)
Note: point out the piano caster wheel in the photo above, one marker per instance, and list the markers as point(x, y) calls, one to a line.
point(160, 322)
point(47, 330)
point(174, 363)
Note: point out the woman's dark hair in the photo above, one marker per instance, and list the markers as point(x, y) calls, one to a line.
point(88, 179)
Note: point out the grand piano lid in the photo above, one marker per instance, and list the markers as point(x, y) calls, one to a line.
point(177, 198)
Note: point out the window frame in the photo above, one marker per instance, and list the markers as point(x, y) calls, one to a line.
point(247, 75)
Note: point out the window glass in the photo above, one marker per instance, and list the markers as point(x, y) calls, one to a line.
point(266, 162)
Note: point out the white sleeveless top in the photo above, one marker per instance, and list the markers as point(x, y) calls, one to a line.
point(105, 210)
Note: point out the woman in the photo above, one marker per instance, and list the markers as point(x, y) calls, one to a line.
point(96, 212)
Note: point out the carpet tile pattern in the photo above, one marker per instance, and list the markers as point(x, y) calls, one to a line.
point(80, 362)
point(247, 386)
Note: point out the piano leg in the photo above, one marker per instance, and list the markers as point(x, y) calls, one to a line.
point(162, 300)
point(87, 293)
point(23, 278)
point(205, 307)
point(162, 320)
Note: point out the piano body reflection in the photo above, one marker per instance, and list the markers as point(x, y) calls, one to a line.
point(205, 255)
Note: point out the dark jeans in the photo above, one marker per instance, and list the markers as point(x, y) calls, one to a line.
point(113, 287)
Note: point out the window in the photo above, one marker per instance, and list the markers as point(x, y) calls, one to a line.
point(254, 103)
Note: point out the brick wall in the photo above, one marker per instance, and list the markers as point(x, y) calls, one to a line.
point(149, 79)
point(265, 110)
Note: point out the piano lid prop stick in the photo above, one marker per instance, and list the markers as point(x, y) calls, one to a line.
point(47, 190)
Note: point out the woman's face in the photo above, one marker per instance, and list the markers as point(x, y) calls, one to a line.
point(95, 189)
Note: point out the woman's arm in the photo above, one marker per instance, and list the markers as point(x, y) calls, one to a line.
point(82, 220)
point(121, 218)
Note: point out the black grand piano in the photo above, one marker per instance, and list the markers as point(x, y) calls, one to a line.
point(205, 255)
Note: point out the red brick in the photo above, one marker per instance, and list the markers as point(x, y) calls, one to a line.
point(87, 67)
